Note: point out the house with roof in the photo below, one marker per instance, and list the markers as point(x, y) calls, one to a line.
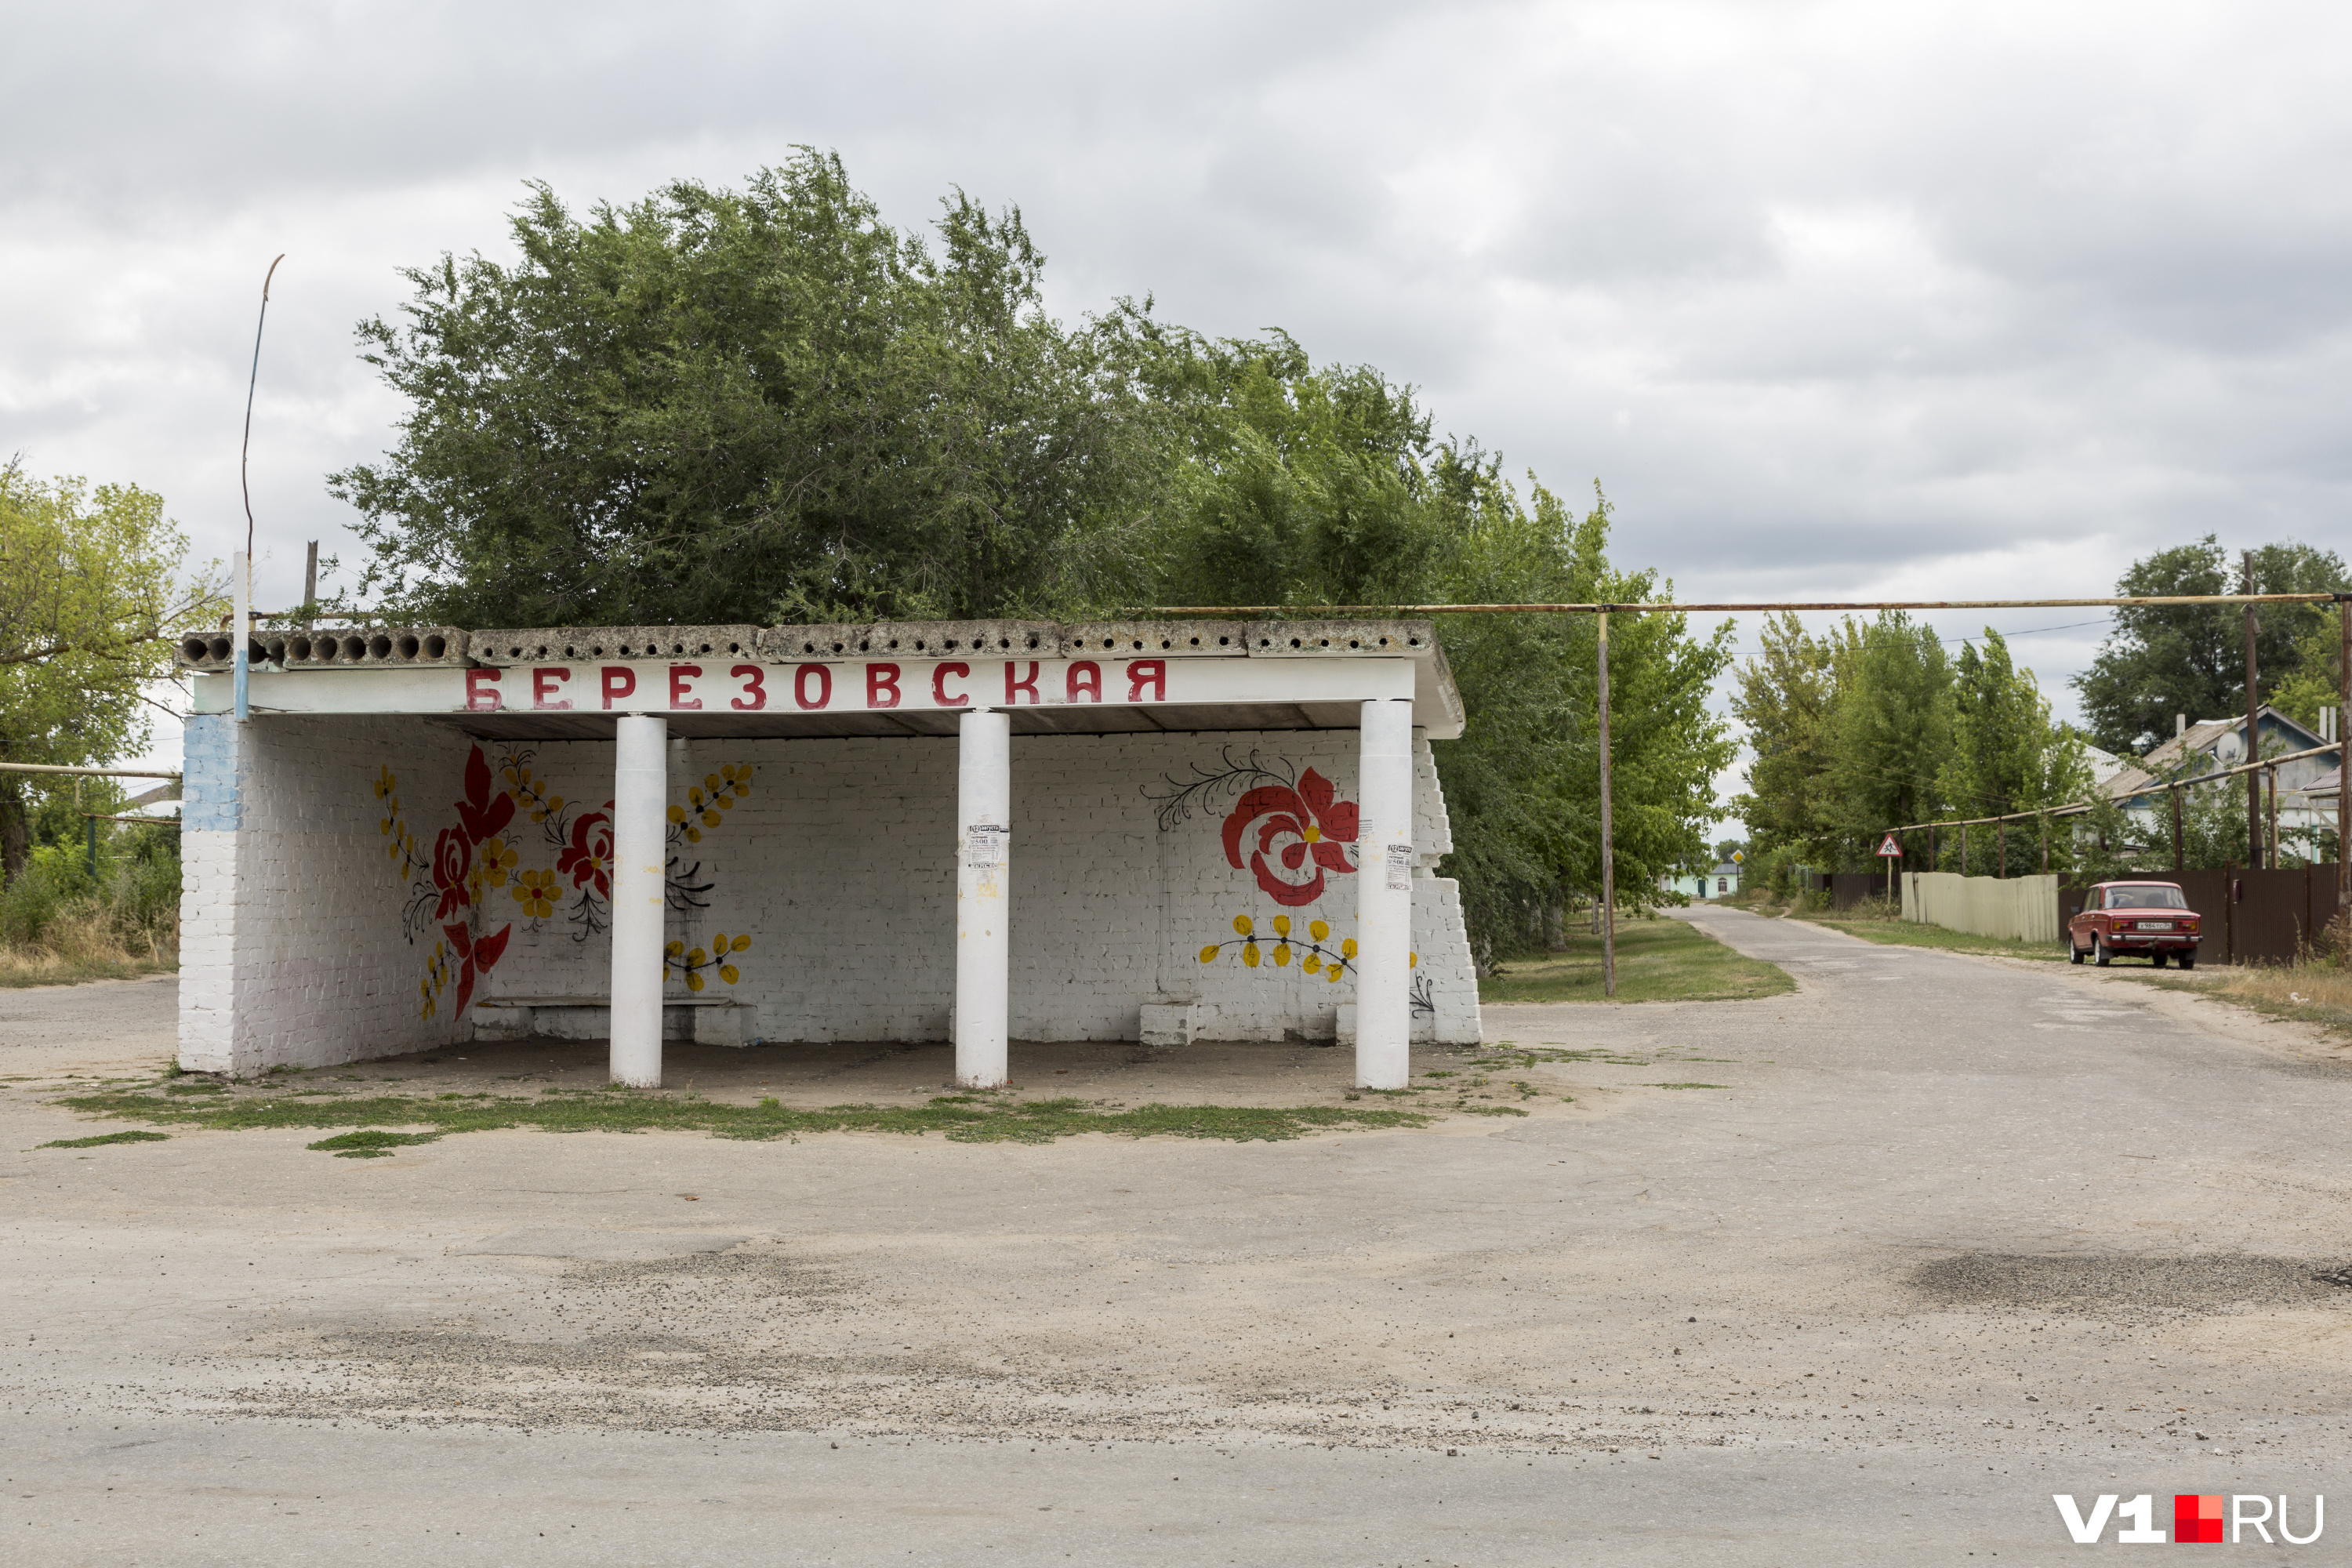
point(2211, 745)
point(1719, 883)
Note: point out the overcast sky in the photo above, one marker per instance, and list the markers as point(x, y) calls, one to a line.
point(1841, 300)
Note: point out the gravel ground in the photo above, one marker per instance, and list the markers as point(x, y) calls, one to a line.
point(1860, 1273)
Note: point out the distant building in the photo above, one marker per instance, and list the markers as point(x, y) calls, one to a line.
point(1719, 883)
point(2209, 746)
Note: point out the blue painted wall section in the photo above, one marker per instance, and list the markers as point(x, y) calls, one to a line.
point(208, 782)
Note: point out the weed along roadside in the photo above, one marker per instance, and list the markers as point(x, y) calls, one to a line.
point(963, 1117)
point(1658, 960)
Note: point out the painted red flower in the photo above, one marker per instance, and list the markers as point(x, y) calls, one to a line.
point(589, 857)
point(452, 859)
point(1315, 825)
point(482, 812)
point(474, 957)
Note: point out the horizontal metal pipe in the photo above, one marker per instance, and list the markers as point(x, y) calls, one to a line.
point(86, 772)
point(1293, 611)
point(2075, 808)
point(161, 821)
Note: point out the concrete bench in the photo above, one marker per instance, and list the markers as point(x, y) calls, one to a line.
point(705, 1020)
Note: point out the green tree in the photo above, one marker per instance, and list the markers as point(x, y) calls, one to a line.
point(1784, 701)
point(765, 404)
point(1890, 732)
point(2007, 755)
point(92, 590)
point(2168, 659)
point(771, 406)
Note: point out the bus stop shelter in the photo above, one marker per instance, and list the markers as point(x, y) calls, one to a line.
point(979, 831)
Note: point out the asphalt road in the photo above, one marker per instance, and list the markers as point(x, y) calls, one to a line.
point(1860, 1275)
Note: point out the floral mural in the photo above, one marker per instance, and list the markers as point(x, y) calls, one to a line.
point(449, 886)
point(1291, 831)
point(447, 889)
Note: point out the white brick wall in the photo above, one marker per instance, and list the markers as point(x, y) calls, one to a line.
point(839, 864)
point(291, 949)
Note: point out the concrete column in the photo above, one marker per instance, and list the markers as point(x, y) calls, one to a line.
point(1384, 896)
point(983, 868)
point(640, 828)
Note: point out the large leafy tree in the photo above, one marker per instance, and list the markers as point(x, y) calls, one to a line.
point(2006, 754)
point(713, 405)
point(94, 586)
point(2168, 659)
point(764, 405)
point(1784, 701)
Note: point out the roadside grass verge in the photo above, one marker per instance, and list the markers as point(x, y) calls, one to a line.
point(2317, 993)
point(962, 1117)
point(1657, 960)
point(1910, 933)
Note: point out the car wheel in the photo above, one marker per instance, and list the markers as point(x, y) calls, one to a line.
point(2074, 954)
point(2099, 953)
point(2157, 959)
point(2187, 961)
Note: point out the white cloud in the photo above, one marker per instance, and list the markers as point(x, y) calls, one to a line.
point(1836, 298)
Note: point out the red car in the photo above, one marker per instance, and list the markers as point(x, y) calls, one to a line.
point(2149, 918)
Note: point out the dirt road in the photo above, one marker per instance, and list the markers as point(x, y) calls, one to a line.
point(1862, 1274)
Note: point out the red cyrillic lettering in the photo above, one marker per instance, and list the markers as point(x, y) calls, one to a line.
point(755, 692)
point(1085, 680)
point(482, 691)
point(680, 674)
point(823, 686)
point(620, 680)
point(939, 674)
point(881, 686)
point(1014, 687)
point(542, 687)
point(1151, 672)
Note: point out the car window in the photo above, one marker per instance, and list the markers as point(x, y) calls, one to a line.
point(2146, 897)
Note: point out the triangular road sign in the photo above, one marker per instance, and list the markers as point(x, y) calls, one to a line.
point(1890, 849)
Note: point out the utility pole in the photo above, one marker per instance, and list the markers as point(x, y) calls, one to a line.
point(1608, 843)
point(2253, 742)
point(2344, 765)
point(309, 581)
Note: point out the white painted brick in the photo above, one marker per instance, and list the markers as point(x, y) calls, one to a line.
point(839, 864)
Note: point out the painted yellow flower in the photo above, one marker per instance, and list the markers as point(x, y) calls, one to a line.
point(1249, 954)
point(537, 893)
point(1348, 947)
point(1311, 963)
point(738, 779)
point(1209, 954)
point(693, 980)
point(677, 813)
point(1241, 925)
point(1282, 925)
point(730, 973)
point(497, 858)
point(1282, 955)
point(385, 783)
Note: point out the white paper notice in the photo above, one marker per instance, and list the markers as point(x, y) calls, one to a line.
point(983, 847)
point(1400, 858)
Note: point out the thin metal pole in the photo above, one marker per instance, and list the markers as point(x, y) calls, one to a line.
point(2344, 765)
point(2045, 846)
point(2253, 737)
point(2273, 775)
point(1608, 840)
point(2000, 848)
point(2179, 861)
point(251, 382)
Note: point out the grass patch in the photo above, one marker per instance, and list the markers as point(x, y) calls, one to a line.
point(1911, 933)
point(1657, 960)
point(965, 1118)
point(369, 1143)
point(108, 1138)
point(2301, 993)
